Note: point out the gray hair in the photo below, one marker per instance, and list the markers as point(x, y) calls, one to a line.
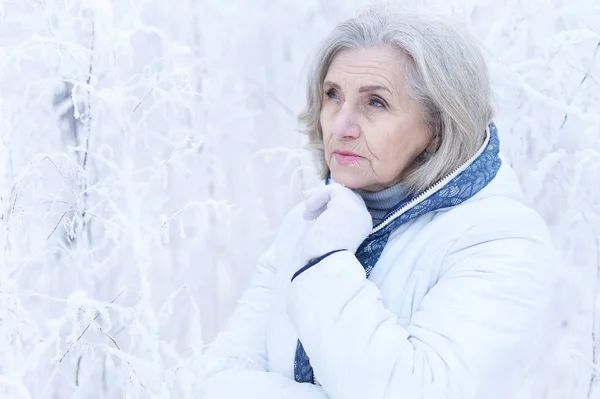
point(446, 75)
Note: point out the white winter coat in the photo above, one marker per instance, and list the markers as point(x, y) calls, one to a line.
point(457, 306)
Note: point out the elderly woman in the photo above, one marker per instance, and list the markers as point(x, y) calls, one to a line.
point(416, 271)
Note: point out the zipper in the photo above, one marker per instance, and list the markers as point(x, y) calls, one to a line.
point(433, 188)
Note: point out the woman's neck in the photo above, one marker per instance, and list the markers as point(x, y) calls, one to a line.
point(379, 203)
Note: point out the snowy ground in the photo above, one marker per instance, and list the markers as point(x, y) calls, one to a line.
point(148, 152)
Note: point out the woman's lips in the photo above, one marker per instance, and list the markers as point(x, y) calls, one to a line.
point(346, 158)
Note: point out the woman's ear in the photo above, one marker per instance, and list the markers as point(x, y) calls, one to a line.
point(434, 145)
point(431, 149)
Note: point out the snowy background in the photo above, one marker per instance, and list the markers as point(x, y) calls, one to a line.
point(149, 151)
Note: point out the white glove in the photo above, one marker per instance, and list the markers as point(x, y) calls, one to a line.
point(341, 221)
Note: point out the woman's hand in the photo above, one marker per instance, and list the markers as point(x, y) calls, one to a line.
point(341, 220)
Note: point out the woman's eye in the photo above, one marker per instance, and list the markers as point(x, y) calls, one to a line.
point(375, 102)
point(331, 93)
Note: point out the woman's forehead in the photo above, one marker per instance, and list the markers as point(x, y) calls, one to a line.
point(375, 66)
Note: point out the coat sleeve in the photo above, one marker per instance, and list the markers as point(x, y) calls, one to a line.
point(235, 365)
point(471, 336)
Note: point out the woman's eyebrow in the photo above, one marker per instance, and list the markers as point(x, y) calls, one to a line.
point(362, 88)
point(373, 88)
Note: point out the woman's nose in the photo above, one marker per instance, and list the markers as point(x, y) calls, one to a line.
point(345, 126)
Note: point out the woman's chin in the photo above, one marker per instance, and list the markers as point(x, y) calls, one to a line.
point(347, 180)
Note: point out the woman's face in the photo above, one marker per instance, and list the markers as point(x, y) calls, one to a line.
point(372, 129)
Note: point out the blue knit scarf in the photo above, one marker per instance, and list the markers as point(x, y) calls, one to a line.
point(465, 185)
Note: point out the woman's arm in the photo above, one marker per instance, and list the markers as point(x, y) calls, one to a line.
point(235, 364)
point(471, 336)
